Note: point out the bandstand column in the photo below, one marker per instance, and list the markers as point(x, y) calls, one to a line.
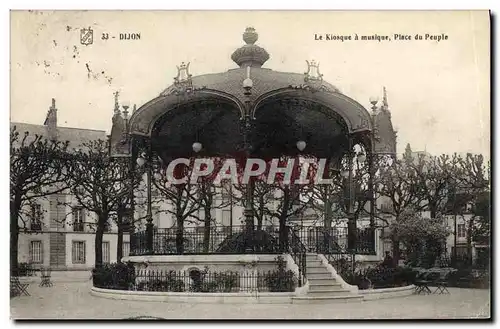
point(351, 218)
point(149, 214)
point(247, 147)
point(371, 190)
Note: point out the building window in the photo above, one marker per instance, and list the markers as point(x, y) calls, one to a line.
point(386, 208)
point(226, 190)
point(35, 252)
point(36, 217)
point(78, 252)
point(226, 217)
point(105, 252)
point(126, 249)
point(78, 219)
point(461, 233)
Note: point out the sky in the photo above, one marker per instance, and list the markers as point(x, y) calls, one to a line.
point(438, 91)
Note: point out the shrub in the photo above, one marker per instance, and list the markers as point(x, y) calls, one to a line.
point(118, 276)
point(225, 282)
point(169, 282)
point(281, 280)
point(214, 282)
point(382, 277)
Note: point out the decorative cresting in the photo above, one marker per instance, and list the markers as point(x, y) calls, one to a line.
point(312, 78)
point(250, 54)
point(183, 82)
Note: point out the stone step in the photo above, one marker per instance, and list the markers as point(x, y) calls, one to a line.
point(329, 292)
point(319, 276)
point(321, 281)
point(316, 270)
point(312, 256)
point(326, 299)
point(324, 286)
point(314, 263)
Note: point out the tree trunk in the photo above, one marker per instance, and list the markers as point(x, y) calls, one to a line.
point(119, 242)
point(396, 251)
point(433, 209)
point(282, 221)
point(260, 215)
point(470, 228)
point(101, 222)
point(14, 234)
point(206, 229)
point(328, 214)
point(119, 245)
point(179, 235)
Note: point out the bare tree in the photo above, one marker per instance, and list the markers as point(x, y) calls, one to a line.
point(435, 176)
point(397, 181)
point(183, 198)
point(291, 200)
point(471, 187)
point(100, 184)
point(263, 196)
point(37, 167)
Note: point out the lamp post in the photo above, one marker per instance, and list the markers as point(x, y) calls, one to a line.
point(371, 164)
point(247, 148)
point(352, 231)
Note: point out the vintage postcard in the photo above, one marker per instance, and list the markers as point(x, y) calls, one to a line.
point(250, 165)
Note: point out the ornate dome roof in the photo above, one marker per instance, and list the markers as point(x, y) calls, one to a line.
point(264, 80)
point(252, 85)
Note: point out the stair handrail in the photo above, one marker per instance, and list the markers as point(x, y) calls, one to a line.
point(298, 252)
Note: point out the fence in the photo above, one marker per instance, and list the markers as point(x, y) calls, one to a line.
point(197, 281)
point(195, 240)
point(335, 240)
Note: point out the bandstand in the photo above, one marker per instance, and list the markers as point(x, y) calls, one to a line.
point(254, 112)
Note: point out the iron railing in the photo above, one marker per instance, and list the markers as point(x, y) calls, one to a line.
point(298, 252)
point(194, 240)
point(323, 240)
point(198, 281)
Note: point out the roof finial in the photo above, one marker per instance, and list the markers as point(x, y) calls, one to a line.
point(53, 104)
point(250, 54)
point(385, 104)
point(117, 106)
point(250, 36)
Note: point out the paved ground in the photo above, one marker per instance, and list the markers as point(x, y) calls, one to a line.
point(73, 301)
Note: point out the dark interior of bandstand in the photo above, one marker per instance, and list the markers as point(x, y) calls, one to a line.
point(251, 112)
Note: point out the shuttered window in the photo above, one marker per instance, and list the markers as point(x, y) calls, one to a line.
point(105, 252)
point(35, 252)
point(78, 252)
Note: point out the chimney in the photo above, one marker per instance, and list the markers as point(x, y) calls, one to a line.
point(51, 120)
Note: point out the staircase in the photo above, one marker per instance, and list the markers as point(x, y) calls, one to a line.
point(323, 288)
